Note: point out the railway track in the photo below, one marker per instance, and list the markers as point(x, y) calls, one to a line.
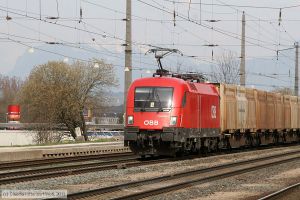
point(281, 194)
point(186, 179)
point(52, 172)
point(107, 162)
point(50, 161)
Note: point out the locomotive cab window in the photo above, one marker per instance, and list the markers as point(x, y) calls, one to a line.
point(153, 99)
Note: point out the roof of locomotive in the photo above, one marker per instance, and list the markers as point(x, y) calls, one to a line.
point(159, 81)
point(202, 88)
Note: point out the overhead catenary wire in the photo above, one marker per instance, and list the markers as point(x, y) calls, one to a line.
point(237, 6)
point(221, 31)
point(89, 61)
point(113, 9)
point(71, 27)
point(63, 43)
point(49, 22)
point(81, 47)
point(155, 19)
point(162, 44)
point(142, 18)
point(257, 19)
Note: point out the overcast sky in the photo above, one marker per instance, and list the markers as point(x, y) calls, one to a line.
point(102, 27)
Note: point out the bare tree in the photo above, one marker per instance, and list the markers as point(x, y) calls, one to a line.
point(227, 69)
point(46, 135)
point(9, 87)
point(57, 92)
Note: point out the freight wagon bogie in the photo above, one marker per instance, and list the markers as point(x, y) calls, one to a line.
point(238, 140)
point(292, 136)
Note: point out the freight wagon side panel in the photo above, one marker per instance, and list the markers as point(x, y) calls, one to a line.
point(270, 110)
point(242, 108)
point(251, 112)
point(228, 107)
point(261, 109)
point(294, 112)
point(287, 111)
point(298, 112)
point(279, 112)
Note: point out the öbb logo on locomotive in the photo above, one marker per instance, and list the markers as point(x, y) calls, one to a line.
point(213, 112)
point(151, 122)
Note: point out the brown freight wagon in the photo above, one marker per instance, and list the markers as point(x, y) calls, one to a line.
point(251, 110)
point(298, 112)
point(228, 108)
point(242, 109)
point(279, 112)
point(287, 112)
point(270, 111)
point(294, 112)
point(261, 110)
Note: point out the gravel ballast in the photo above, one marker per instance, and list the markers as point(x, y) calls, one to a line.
point(239, 187)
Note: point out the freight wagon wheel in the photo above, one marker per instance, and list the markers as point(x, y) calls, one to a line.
point(256, 140)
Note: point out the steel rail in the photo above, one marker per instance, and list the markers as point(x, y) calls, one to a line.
point(61, 160)
point(37, 174)
point(202, 180)
point(101, 191)
point(66, 167)
point(280, 192)
point(49, 161)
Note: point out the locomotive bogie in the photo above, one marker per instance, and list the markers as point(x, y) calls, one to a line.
point(180, 140)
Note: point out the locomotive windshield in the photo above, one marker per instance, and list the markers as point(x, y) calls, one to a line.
point(155, 99)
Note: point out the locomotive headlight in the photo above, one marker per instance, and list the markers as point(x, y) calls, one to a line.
point(173, 121)
point(130, 120)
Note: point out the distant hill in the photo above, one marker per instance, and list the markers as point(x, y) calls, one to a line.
point(279, 72)
point(27, 61)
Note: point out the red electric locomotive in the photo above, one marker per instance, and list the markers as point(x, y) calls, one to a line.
point(172, 113)
point(169, 115)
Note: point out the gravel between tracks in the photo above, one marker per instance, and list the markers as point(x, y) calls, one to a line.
point(239, 187)
point(247, 186)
